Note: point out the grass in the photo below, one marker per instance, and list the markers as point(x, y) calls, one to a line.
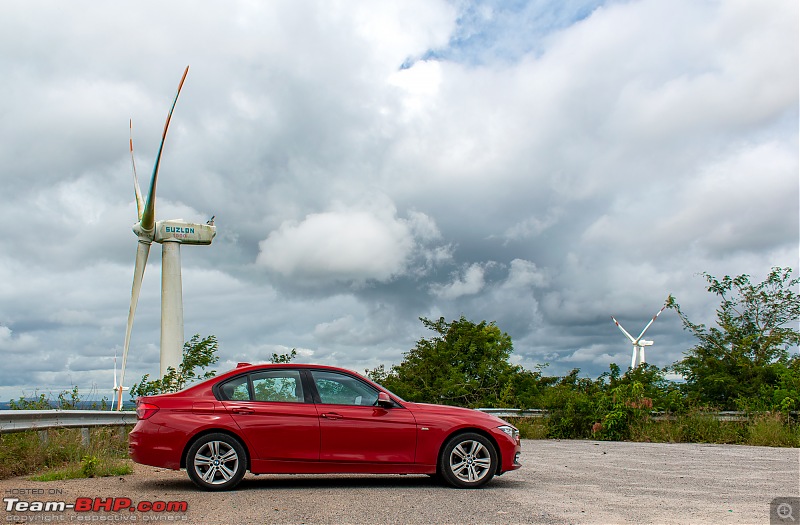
point(770, 429)
point(90, 467)
point(773, 431)
point(530, 428)
point(62, 455)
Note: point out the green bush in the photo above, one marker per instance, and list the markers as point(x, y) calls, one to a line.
point(772, 430)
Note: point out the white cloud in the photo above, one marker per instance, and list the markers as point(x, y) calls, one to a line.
point(524, 274)
point(532, 226)
point(470, 282)
point(13, 344)
point(419, 85)
point(346, 244)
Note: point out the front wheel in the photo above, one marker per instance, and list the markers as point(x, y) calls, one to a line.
point(468, 461)
point(216, 462)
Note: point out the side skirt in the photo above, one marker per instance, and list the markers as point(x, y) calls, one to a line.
point(336, 467)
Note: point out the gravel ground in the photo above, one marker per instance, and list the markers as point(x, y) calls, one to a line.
point(560, 482)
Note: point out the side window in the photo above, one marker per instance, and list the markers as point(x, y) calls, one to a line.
point(236, 389)
point(278, 386)
point(341, 389)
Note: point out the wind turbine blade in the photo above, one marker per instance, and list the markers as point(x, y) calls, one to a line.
point(142, 251)
point(623, 330)
point(148, 220)
point(139, 200)
point(651, 322)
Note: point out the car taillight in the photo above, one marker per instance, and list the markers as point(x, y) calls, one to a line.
point(145, 410)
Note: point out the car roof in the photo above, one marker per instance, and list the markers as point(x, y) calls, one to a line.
point(243, 368)
point(246, 367)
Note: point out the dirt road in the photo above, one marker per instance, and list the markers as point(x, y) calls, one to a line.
point(560, 482)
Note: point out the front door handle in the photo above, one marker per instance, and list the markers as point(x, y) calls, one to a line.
point(242, 410)
point(331, 415)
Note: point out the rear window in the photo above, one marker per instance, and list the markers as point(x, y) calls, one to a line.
point(235, 389)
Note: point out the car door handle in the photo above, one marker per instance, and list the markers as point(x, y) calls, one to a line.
point(331, 415)
point(242, 410)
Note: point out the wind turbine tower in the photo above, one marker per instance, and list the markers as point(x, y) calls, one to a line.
point(638, 343)
point(171, 234)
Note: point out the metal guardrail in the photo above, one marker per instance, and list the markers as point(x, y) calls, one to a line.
point(26, 420)
point(725, 415)
point(515, 412)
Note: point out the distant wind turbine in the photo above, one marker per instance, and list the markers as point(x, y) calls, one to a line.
point(117, 388)
point(170, 234)
point(638, 343)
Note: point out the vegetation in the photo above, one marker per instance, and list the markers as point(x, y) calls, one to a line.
point(198, 354)
point(90, 467)
point(464, 364)
point(66, 400)
point(62, 455)
point(283, 358)
point(743, 363)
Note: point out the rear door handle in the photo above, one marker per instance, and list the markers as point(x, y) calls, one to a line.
point(242, 410)
point(331, 415)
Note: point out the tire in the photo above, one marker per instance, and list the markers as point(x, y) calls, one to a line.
point(216, 462)
point(468, 461)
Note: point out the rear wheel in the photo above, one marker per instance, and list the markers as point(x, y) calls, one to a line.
point(216, 462)
point(468, 461)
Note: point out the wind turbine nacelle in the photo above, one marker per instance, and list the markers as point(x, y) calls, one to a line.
point(645, 343)
point(184, 232)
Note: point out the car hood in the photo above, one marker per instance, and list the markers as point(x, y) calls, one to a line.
point(426, 408)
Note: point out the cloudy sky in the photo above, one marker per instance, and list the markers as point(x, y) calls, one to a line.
point(541, 164)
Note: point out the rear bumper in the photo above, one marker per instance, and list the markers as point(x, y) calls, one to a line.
point(155, 445)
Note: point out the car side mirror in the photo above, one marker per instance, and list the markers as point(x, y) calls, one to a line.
point(384, 401)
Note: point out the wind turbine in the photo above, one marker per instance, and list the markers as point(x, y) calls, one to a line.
point(638, 344)
point(170, 234)
point(117, 389)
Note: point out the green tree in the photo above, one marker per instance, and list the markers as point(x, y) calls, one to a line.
point(663, 393)
point(464, 364)
point(283, 358)
point(198, 354)
point(745, 359)
point(574, 405)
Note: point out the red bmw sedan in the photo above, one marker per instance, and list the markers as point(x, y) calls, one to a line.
point(313, 419)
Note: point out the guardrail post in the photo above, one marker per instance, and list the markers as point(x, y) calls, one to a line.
point(85, 436)
point(42, 437)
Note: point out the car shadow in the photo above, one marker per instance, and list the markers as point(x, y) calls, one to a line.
point(325, 481)
point(350, 481)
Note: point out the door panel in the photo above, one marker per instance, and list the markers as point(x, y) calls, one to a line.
point(372, 434)
point(354, 430)
point(270, 410)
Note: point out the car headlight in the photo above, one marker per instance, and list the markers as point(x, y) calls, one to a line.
point(512, 432)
